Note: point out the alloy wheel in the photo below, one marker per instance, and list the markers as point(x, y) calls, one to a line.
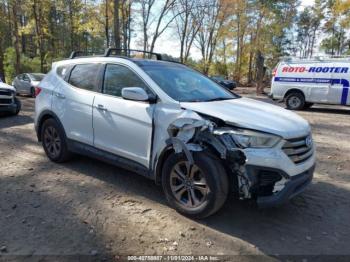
point(188, 185)
point(52, 141)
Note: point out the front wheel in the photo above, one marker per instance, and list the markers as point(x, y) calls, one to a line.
point(18, 106)
point(196, 191)
point(295, 101)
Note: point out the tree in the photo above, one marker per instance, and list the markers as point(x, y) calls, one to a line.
point(214, 16)
point(188, 22)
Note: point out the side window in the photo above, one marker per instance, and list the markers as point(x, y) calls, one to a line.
point(85, 76)
point(62, 71)
point(26, 78)
point(117, 77)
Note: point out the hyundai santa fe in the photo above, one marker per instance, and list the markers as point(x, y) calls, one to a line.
point(174, 125)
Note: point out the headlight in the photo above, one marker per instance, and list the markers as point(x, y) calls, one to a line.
point(250, 139)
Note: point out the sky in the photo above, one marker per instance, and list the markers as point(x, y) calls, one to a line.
point(168, 43)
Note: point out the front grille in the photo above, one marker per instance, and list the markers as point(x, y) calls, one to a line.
point(5, 101)
point(298, 150)
point(4, 92)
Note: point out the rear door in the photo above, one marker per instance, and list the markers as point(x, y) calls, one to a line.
point(73, 100)
point(19, 83)
point(123, 127)
point(339, 89)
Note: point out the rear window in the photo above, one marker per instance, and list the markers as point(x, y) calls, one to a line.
point(37, 77)
point(85, 76)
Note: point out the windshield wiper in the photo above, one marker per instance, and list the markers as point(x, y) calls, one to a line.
point(218, 99)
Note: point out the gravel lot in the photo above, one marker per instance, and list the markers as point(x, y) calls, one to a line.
point(86, 207)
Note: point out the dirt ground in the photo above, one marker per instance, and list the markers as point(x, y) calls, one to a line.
point(86, 207)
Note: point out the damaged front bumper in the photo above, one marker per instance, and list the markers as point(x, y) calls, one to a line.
point(295, 185)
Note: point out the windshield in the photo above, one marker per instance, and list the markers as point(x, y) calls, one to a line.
point(37, 77)
point(184, 84)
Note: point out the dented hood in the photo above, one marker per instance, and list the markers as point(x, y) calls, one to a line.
point(253, 114)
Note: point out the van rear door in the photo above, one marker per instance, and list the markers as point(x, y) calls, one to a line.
point(339, 89)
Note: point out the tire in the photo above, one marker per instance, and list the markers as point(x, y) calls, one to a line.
point(295, 101)
point(210, 198)
point(32, 92)
point(19, 106)
point(54, 141)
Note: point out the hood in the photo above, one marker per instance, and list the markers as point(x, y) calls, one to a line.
point(6, 86)
point(253, 114)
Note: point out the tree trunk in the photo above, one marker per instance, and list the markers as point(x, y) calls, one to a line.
point(39, 36)
point(72, 47)
point(260, 72)
point(107, 24)
point(2, 70)
point(250, 67)
point(16, 38)
point(238, 46)
point(116, 24)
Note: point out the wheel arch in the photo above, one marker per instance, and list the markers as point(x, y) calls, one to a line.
point(167, 151)
point(293, 90)
point(45, 115)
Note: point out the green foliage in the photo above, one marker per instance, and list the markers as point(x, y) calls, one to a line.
point(9, 68)
point(27, 64)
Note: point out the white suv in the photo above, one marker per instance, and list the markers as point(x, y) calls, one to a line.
point(176, 126)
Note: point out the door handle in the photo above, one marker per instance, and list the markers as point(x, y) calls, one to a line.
point(59, 95)
point(101, 107)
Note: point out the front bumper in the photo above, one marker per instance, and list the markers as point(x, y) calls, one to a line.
point(293, 187)
point(11, 108)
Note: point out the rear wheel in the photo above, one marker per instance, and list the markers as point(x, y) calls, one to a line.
point(198, 190)
point(54, 142)
point(295, 101)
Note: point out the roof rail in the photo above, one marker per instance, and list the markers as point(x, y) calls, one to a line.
point(75, 54)
point(119, 51)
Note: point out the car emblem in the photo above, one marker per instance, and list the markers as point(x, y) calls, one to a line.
point(308, 141)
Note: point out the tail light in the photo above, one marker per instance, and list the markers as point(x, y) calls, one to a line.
point(37, 91)
point(274, 72)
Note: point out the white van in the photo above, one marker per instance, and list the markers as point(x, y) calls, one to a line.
point(303, 82)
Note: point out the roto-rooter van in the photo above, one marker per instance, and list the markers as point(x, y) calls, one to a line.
point(303, 82)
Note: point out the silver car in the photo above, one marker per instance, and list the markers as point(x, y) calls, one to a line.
point(26, 83)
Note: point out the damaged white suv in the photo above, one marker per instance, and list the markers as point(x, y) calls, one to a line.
point(176, 126)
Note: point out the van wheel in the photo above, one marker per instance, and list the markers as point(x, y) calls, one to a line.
point(54, 142)
point(197, 191)
point(295, 101)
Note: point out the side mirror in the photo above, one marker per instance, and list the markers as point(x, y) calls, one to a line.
point(137, 94)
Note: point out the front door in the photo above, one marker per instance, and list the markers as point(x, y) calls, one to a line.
point(123, 127)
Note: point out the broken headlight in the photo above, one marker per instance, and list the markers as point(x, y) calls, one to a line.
point(250, 139)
